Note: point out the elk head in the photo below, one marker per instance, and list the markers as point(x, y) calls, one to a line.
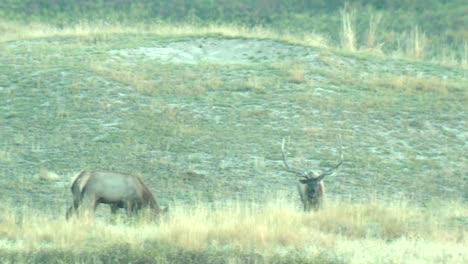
point(311, 188)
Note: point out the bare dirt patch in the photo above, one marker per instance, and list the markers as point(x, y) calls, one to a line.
point(219, 51)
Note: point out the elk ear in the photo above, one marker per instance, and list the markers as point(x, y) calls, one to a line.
point(303, 180)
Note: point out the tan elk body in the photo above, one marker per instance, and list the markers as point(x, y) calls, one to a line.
point(90, 188)
point(311, 188)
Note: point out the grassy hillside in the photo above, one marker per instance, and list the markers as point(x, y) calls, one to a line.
point(199, 113)
point(430, 30)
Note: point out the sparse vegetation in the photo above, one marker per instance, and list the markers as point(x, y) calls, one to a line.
point(348, 35)
point(297, 73)
point(198, 106)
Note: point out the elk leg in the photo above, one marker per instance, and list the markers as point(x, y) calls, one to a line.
point(130, 208)
point(94, 205)
point(76, 204)
point(74, 208)
point(69, 212)
point(320, 193)
point(91, 206)
point(114, 208)
point(302, 193)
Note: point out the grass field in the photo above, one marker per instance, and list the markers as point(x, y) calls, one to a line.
point(199, 114)
point(272, 231)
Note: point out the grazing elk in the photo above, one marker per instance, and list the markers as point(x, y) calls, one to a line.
point(116, 189)
point(311, 188)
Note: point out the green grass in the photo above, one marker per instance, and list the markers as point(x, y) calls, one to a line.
point(199, 114)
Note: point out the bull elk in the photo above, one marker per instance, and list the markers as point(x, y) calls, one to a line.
point(311, 188)
point(118, 190)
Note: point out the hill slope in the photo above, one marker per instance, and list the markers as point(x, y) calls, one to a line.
point(201, 119)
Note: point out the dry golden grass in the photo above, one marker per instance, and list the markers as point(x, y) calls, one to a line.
point(255, 84)
point(411, 84)
point(348, 36)
point(397, 232)
point(373, 30)
point(99, 31)
point(294, 72)
point(413, 43)
point(407, 84)
point(46, 175)
point(416, 44)
point(297, 73)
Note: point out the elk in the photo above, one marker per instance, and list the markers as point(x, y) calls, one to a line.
point(118, 190)
point(311, 188)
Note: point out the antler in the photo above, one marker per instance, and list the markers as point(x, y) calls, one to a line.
point(330, 171)
point(318, 177)
point(286, 166)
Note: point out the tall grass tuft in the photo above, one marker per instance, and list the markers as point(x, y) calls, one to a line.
point(371, 36)
point(416, 44)
point(348, 35)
